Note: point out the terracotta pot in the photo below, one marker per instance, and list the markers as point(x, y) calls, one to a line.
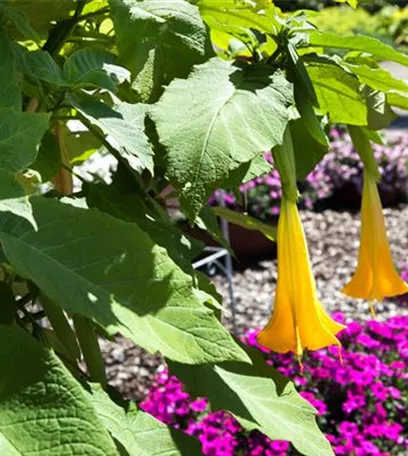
point(245, 243)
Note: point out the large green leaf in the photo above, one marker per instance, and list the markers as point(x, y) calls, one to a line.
point(43, 410)
point(131, 207)
point(361, 43)
point(158, 40)
point(123, 128)
point(338, 93)
point(138, 433)
point(110, 271)
point(260, 398)
point(10, 95)
point(222, 116)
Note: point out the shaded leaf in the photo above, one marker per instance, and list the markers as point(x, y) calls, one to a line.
point(123, 128)
point(110, 271)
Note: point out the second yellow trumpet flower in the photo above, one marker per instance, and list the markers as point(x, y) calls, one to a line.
point(375, 276)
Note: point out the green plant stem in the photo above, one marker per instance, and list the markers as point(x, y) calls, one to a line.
point(91, 351)
point(86, 16)
point(62, 30)
point(61, 327)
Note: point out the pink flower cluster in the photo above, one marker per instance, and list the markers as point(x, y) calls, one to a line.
point(336, 181)
point(362, 401)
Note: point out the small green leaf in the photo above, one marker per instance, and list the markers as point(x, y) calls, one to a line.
point(94, 67)
point(259, 398)
point(13, 197)
point(123, 128)
point(246, 221)
point(361, 43)
point(237, 112)
point(42, 407)
point(20, 136)
point(114, 274)
point(138, 433)
point(257, 167)
point(379, 113)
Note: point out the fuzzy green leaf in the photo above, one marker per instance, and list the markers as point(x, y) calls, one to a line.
point(222, 116)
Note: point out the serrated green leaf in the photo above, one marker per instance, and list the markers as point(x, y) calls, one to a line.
point(246, 221)
point(358, 43)
point(352, 3)
point(158, 40)
point(338, 93)
point(259, 398)
point(38, 65)
point(10, 94)
point(123, 128)
point(237, 112)
point(94, 67)
point(113, 273)
point(43, 410)
point(139, 433)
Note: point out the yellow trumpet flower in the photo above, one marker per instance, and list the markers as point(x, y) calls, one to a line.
point(298, 320)
point(375, 276)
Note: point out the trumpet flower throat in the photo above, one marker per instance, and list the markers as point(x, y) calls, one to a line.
point(298, 320)
point(375, 276)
